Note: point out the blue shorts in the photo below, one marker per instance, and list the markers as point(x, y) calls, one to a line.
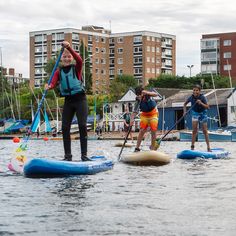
point(201, 117)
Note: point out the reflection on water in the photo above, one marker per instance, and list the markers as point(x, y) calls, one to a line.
point(182, 198)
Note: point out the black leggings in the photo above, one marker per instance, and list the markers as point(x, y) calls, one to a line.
point(76, 104)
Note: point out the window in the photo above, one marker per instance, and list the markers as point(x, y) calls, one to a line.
point(120, 50)
point(60, 36)
point(168, 62)
point(90, 38)
point(157, 49)
point(138, 49)
point(112, 61)
point(138, 70)
point(227, 67)
point(153, 70)
point(138, 60)
point(103, 40)
point(120, 40)
point(148, 48)
point(38, 49)
point(227, 42)
point(158, 61)
point(75, 47)
point(148, 59)
point(169, 41)
point(96, 39)
point(227, 54)
point(40, 38)
point(208, 56)
point(120, 60)
point(111, 40)
point(97, 61)
point(38, 60)
point(103, 50)
point(97, 50)
point(158, 71)
point(137, 39)
point(111, 72)
point(168, 52)
point(153, 49)
point(148, 70)
point(120, 72)
point(153, 39)
point(90, 48)
point(148, 38)
point(75, 36)
point(153, 60)
point(111, 50)
point(103, 61)
point(103, 72)
point(209, 68)
point(97, 71)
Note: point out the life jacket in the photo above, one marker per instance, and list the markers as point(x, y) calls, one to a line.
point(147, 104)
point(69, 83)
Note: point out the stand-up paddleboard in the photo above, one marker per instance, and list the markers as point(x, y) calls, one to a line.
point(40, 167)
point(215, 153)
point(146, 158)
point(120, 144)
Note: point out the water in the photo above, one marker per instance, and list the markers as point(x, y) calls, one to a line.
point(182, 198)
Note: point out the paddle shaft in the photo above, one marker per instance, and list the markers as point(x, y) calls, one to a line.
point(130, 128)
point(44, 94)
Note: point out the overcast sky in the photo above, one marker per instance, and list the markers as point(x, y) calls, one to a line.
point(187, 19)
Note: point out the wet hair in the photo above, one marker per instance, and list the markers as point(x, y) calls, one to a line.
point(197, 86)
point(138, 90)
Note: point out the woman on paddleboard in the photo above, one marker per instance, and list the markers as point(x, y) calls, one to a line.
point(69, 79)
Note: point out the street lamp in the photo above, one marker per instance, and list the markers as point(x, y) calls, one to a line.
point(190, 69)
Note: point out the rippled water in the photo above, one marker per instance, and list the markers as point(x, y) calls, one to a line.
point(195, 197)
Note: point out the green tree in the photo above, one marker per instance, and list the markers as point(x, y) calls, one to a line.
point(120, 85)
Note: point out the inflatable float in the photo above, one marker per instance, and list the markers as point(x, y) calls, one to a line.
point(120, 144)
point(40, 167)
point(216, 153)
point(146, 158)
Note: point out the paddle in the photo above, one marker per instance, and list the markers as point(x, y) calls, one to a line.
point(177, 122)
point(23, 146)
point(129, 130)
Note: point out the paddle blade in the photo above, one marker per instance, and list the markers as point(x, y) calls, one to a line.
point(157, 143)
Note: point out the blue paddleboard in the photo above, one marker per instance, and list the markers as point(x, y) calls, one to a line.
point(215, 153)
point(41, 167)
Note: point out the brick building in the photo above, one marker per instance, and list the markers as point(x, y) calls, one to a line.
point(218, 54)
point(143, 54)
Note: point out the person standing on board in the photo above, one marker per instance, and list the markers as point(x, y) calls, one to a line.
point(148, 115)
point(127, 118)
point(69, 79)
point(199, 114)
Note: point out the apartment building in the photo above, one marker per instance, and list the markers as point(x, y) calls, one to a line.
point(218, 54)
point(143, 54)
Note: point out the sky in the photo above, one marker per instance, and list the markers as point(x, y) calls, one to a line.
point(186, 19)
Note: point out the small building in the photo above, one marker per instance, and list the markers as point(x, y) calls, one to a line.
point(171, 109)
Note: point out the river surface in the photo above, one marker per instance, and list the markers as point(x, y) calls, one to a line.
point(192, 198)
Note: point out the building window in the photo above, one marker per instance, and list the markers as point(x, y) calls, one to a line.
point(148, 38)
point(112, 61)
point(168, 41)
point(111, 50)
point(90, 48)
point(38, 49)
point(227, 67)
point(138, 70)
point(38, 60)
point(96, 39)
point(153, 49)
point(148, 70)
point(120, 50)
point(158, 61)
point(120, 72)
point(227, 54)
point(90, 38)
point(153, 70)
point(75, 36)
point(227, 42)
point(97, 71)
point(158, 71)
point(168, 62)
point(97, 61)
point(137, 39)
point(111, 40)
point(148, 48)
point(120, 40)
point(138, 60)
point(103, 72)
point(103, 61)
point(212, 68)
point(97, 50)
point(120, 60)
point(103, 50)
point(75, 47)
point(153, 39)
point(148, 59)
point(103, 40)
point(60, 36)
point(111, 72)
point(157, 49)
point(138, 49)
point(153, 59)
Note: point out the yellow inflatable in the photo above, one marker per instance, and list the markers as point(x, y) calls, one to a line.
point(146, 158)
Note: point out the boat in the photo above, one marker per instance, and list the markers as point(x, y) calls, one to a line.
point(216, 136)
point(45, 168)
point(216, 153)
point(146, 158)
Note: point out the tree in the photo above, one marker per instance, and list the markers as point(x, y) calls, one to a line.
point(87, 76)
point(120, 85)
